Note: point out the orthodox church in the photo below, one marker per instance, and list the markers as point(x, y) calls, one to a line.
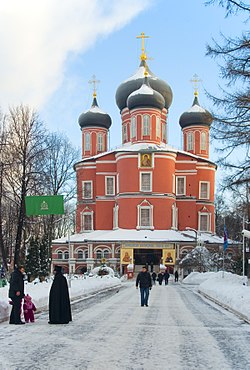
point(144, 202)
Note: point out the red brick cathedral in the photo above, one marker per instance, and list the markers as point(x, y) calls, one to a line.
point(135, 202)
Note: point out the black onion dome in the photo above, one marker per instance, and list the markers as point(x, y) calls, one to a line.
point(94, 117)
point(145, 96)
point(135, 82)
point(196, 115)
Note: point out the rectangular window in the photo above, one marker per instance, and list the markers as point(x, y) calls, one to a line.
point(190, 141)
point(110, 185)
point(125, 133)
point(204, 222)
point(87, 221)
point(164, 131)
point(133, 127)
point(158, 127)
point(146, 181)
point(204, 190)
point(100, 143)
point(180, 185)
point(203, 141)
point(87, 141)
point(87, 190)
point(145, 217)
point(146, 125)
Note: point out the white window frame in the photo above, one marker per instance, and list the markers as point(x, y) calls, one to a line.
point(133, 127)
point(107, 191)
point(125, 133)
point(203, 141)
point(190, 141)
point(146, 126)
point(61, 254)
point(142, 186)
point(150, 219)
point(89, 213)
point(87, 142)
point(100, 142)
point(178, 179)
point(201, 191)
point(164, 131)
point(208, 222)
point(158, 127)
point(91, 189)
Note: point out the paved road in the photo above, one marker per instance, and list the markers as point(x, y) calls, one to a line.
point(179, 330)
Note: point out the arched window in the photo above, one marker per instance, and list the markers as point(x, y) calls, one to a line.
point(133, 127)
point(60, 255)
point(86, 254)
point(66, 255)
point(80, 255)
point(106, 254)
point(99, 255)
point(125, 133)
point(203, 141)
point(164, 131)
point(87, 141)
point(146, 125)
point(190, 141)
point(100, 142)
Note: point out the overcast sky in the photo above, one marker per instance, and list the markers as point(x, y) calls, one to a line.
point(51, 48)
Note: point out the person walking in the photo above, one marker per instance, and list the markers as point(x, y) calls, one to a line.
point(166, 277)
point(59, 302)
point(176, 276)
point(154, 276)
point(16, 294)
point(160, 278)
point(144, 281)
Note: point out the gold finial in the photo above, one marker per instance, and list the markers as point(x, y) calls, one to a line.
point(143, 37)
point(146, 71)
point(94, 82)
point(195, 82)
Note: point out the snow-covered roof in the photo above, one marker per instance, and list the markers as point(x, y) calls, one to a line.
point(196, 108)
point(133, 235)
point(96, 109)
point(144, 90)
point(140, 73)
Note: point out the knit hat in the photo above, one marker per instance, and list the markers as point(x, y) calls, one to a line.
point(58, 268)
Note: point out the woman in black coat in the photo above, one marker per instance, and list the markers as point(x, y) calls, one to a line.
point(59, 302)
point(16, 294)
point(160, 278)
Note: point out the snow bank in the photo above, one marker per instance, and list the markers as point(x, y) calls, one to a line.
point(40, 292)
point(227, 289)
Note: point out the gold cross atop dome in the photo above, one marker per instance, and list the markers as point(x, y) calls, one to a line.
point(94, 81)
point(143, 37)
point(195, 82)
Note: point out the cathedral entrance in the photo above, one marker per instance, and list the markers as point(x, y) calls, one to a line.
point(148, 257)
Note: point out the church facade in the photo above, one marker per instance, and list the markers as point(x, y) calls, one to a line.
point(144, 202)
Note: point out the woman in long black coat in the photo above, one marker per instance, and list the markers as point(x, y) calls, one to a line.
point(59, 302)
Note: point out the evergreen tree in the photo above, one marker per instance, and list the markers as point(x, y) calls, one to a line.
point(44, 257)
point(32, 264)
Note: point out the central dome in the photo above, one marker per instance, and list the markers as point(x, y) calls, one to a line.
point(135, 82)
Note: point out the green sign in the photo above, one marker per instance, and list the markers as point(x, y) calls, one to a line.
point(44, 205)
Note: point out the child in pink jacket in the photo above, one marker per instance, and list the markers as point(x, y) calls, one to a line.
point(28, 309)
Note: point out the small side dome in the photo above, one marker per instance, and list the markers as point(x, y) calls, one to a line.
point(145, 96)
point(196, 115)
point(94, 117)
point(134, 83)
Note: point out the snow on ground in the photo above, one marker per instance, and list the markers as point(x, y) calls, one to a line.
point(40, 292)
point(229, 290)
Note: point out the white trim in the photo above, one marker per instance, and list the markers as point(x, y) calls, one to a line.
point(203, 143)
point(190, 141)
point(150, 226)
point(106, 173)
point(208, 189)
point(184, 184)
point(208, 215)
point(106, 185)
point(87, 213)
point(150, 180)
point(91, 189)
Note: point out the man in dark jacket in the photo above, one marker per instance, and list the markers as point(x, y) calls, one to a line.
point(59, 302)
point(144, 280)
point(16, 294)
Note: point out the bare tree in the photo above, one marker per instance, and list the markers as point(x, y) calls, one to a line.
point(232, 123)
point(25, 150)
